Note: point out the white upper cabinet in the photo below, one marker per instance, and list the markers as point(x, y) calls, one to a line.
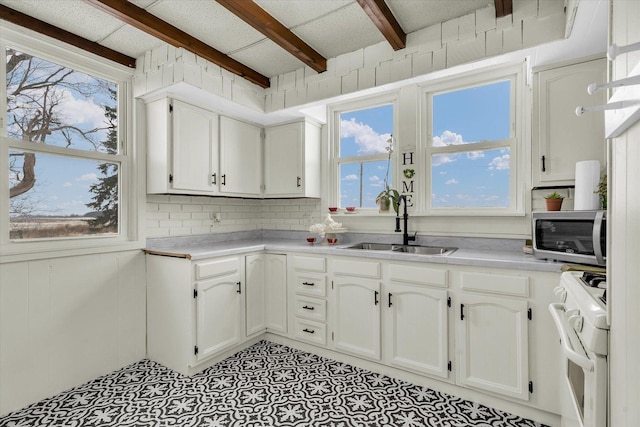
point(292, 160)
point(560, 137)
point(240, 158)
point(182, 148)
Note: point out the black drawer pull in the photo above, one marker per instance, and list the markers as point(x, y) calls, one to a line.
point(308, 284)
point(306, 307)
point(309, 331)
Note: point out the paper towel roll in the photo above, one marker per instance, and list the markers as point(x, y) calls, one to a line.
point(587, 179)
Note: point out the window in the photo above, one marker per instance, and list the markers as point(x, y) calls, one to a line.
point(472, 145)
point(63, 149)
point(364, 154)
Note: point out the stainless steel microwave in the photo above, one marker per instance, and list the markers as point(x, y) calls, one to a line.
point(572, 236)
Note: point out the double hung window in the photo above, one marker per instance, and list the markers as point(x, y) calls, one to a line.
point(63, 151)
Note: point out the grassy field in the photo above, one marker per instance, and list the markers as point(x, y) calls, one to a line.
point(50, 227)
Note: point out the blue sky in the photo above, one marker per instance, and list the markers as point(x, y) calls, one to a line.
point(468, 179)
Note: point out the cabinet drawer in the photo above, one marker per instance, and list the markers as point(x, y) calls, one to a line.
point(367, 269)
point(311, 308)
point(314, 285)
point(500, 284)
point(306, 263)
point(218, 267)
point(310, 331)
point(418, 275)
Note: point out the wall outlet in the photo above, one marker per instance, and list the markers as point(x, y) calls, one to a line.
point(217, 217)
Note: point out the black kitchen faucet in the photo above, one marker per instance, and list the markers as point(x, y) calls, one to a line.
point(405, 218)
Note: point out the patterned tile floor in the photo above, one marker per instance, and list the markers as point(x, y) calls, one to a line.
point(266, 384)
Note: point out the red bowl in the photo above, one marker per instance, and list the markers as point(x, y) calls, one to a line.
point(333, 209)
point(331, 241)
point(350, 208)
point(311, 239)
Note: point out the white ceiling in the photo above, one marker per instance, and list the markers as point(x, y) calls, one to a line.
point(332, 27)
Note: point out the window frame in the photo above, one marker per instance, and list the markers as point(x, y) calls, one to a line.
point(129, 199)
point(517, 141)
point(334, 143)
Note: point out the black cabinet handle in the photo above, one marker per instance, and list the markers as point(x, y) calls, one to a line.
point(544, 167)
point(306, 307)
point(214, 179)
point(375, 297)
point(461, 311)
point(390, 295)
point(308, 283)
point(309, 331)
point(299, 184)
point(224, 179)
point(239, 288)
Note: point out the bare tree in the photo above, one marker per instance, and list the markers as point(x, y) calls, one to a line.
point(36, 92)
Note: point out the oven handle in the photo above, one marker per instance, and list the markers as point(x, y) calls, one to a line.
point(597, 232)
point(576, 358)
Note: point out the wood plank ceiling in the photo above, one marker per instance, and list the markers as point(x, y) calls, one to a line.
point(377, 10)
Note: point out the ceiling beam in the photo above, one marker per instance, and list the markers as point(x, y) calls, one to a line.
point(42, 27)
point(383, 18)
point(503, 7)
point(262, 21)
point(151, 24)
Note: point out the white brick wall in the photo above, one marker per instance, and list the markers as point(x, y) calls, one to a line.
point(189, 215)
point(461, 40)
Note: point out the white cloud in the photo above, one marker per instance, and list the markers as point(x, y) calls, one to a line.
point(500, 163)
point(441, 159)
point(475, 155)
point(451, 181)
point(443, 172)
point(67, 184)
point(448, 138)
point(78, 111)
point(88, 177)
point(491, 198)
point(374, 178)
point(350, 178)
point(367, 139)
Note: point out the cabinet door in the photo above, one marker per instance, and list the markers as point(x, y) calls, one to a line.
point(559, 135)
point(276, 292)
point(218, 314)
point(492, 336)
point(241, 158)
point(283, 160)
point(356, 319)
point(416, 328)
point(255, 293)
point(195, 148)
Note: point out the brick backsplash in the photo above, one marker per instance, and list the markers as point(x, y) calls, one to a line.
point(169, 215)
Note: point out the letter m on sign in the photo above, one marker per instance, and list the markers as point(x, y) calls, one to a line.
point(407, 187)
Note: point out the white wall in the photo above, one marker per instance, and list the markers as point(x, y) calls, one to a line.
point(66, 321)
point(624, 269)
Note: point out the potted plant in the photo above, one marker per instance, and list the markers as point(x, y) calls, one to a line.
point(602, 191)
point(554, 201)
point(389, 196)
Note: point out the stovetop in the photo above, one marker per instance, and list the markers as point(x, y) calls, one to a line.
point(596, 284)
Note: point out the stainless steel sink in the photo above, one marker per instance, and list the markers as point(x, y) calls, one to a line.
point(424, 250)
point(373, 246)
point(409, 249)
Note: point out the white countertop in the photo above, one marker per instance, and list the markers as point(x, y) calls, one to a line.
point(473, 257)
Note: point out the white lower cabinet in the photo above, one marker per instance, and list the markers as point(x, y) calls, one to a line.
point(195, 310)
point(493, 345)
point(308, 285)
point(356, 322)
point(219, 309)
point(416, 333)
point(266, 296)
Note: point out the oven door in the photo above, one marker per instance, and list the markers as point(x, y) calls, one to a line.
point(584, 399)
